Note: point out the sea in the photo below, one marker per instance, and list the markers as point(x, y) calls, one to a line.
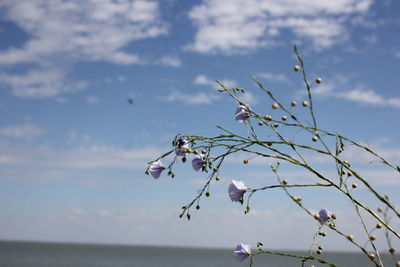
point(32, 254)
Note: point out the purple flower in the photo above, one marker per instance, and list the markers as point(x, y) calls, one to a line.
point(242, 252)
point(242, 113)
point(324, 215)
point(181, 146)
point(156, 168)
point(197, 162)
point(236, 190)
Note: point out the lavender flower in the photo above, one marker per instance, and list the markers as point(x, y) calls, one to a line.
point(324, 215)
point(242, 252)
point(197, 162)
point(181, 147)
point(243, 113)
point(236, 190)
point(156, 168)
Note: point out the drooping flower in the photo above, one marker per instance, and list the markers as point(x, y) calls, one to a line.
point(242, 252)
point(197, 162)
point(324, 215)
point(242, 113)
point(156, 168)
point(181, 146)
point(236, 190)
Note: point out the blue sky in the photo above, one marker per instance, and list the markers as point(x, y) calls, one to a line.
point(73, 151)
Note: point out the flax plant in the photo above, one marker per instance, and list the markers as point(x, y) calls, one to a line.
point(211, 152)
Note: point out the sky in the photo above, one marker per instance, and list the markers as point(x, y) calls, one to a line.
point(73, 150)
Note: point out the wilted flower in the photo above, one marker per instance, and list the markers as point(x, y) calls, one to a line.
point(197, 162)
point(243, 113)
point(236, 190)
point(181, 147)
point(324, 215)
point(242, 252)
point(156, 168)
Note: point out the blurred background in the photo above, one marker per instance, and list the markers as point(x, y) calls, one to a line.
point(90, 91)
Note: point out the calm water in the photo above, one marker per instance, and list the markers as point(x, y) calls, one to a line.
point(26, 254)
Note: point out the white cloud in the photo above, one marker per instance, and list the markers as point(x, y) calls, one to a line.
point(93, 99)
point(371, 39)
point(359, 94)
point(197, 99)
point(83, 157)
point(120, 78)
point(40, 83)
point(204, 80)
point(61, 33)
point(95, 31)
point(274, 77)
point(170, 61)
point(248, 98)
point(26, 130)
point(236, 26)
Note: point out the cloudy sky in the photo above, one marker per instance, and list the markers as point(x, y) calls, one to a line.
point(73, 151)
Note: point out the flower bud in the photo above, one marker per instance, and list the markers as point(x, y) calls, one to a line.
point(293, 103)
point(354, 185)
point(297, 198)
point(345, 162)
point(371, 256)
point(398, 264)
point(350, 237)
point(260, 123)
point(284, 118)
point(197, 207)
point(378, 225)
point(285, 182)
point(276, 125)
point(319, 252)
point(296, 68)
point(372, 238)
point(392, 251)
point(207, 194)
point(305, 103)
point(316, 216)
point(379, 209)
point(318, 80)
point(315, 138)
point(203, 152)
point(184, 159)
point(215, 169)
point(320, 247)
point(333, 216)
point(217, 178)
point(275, 105)
point(349, 173)
point(245, 161)
point(269, 143)
point(268, 118)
